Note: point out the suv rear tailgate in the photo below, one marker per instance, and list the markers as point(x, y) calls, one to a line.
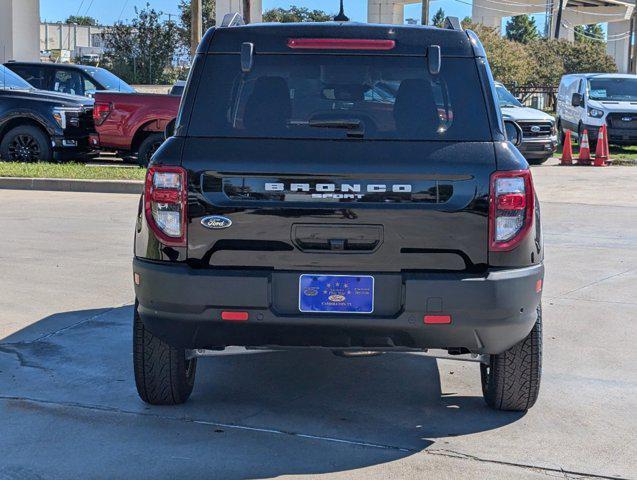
point(406, 206)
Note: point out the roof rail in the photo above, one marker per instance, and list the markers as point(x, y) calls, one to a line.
point(232, 20)
point(453, 23)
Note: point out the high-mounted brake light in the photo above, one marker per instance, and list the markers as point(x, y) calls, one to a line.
point(101, 111)
point(340, 44)
point(511, 209)
point(165, 204)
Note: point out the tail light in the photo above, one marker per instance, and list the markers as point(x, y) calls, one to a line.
point(101, 111)
point(165, 204)
point(511, 208)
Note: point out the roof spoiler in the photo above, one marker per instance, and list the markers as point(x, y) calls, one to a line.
point(453, 23)
point(232, 20)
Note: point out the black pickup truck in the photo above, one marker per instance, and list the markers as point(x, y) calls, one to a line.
point(37, 126)
point(342, 186)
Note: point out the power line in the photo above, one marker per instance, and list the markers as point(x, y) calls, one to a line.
point(89, 7)
point(489, 8)
point(122, 12)
point(610, 38)
point(625, 34)
point(80, 7)
point(516, 4)
point(537, 5)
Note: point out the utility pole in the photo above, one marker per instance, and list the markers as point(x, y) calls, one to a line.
point(195, 26)
point(246, 11)
point(558, 21)
point(425, 12)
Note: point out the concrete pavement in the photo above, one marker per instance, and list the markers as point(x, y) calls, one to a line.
point(69, 408)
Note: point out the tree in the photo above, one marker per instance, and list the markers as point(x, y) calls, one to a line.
point(522, 28)
point(207, 16)
point(587, 57)
point(438, 20)
point(296, 14)
point(509, 60)
point(141, 51)
point(81, 20)
point(541, 61)
point(589, 33)
point(546, 58)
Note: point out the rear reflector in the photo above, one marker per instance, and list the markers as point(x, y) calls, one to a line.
point(538, 286)
point(234, 316)
point(511, 201)
point(432, 319)
point(340, 44)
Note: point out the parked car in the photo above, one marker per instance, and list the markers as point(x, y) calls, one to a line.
point(132, 124)
point(305, 216)
point(90, 58)
point(82, 80)
point(178, 88)
point(540, 136)
point(36, 126)
point(588, 101)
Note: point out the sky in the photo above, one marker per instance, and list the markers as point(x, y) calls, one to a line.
point(109, 11)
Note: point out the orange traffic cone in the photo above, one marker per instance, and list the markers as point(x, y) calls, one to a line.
point(584, 157)
point(567, 150)
point(601, 152)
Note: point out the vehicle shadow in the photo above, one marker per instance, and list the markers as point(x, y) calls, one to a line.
point(253, 414)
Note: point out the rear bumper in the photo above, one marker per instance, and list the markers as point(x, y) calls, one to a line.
point(490, 312)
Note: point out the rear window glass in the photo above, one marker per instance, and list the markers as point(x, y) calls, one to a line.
point(339, 96)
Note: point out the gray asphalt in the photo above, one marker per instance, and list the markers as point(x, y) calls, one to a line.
point(68, 407)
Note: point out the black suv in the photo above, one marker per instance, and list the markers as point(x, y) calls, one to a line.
point(36, 126)
point(344, 186)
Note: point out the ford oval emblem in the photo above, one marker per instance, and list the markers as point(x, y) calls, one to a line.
point(627, 119)
point(216, 222)
point(535, 129)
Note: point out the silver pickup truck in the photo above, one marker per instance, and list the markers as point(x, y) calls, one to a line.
point(540, 137)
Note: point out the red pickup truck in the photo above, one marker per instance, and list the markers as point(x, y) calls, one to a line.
point(132, 124)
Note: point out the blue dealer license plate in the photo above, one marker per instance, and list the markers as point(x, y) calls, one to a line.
point(336, 293)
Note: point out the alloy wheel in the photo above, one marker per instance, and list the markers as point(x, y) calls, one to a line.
point(24, 148)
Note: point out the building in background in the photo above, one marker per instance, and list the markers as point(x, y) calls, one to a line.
point(19, 23)
point(71, 41)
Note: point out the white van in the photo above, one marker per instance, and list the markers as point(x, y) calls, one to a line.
point(586, 101)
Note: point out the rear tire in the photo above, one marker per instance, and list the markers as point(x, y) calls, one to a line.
point(561, 134)
point(163, 376)
point(511, 380)
point(26, 143)
point(149, 146)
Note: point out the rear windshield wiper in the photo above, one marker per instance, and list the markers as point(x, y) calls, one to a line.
point(355, 126)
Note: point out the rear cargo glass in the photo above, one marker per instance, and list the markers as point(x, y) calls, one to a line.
point(339, 96)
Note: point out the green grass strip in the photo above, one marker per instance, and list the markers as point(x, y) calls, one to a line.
point(75, 171)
